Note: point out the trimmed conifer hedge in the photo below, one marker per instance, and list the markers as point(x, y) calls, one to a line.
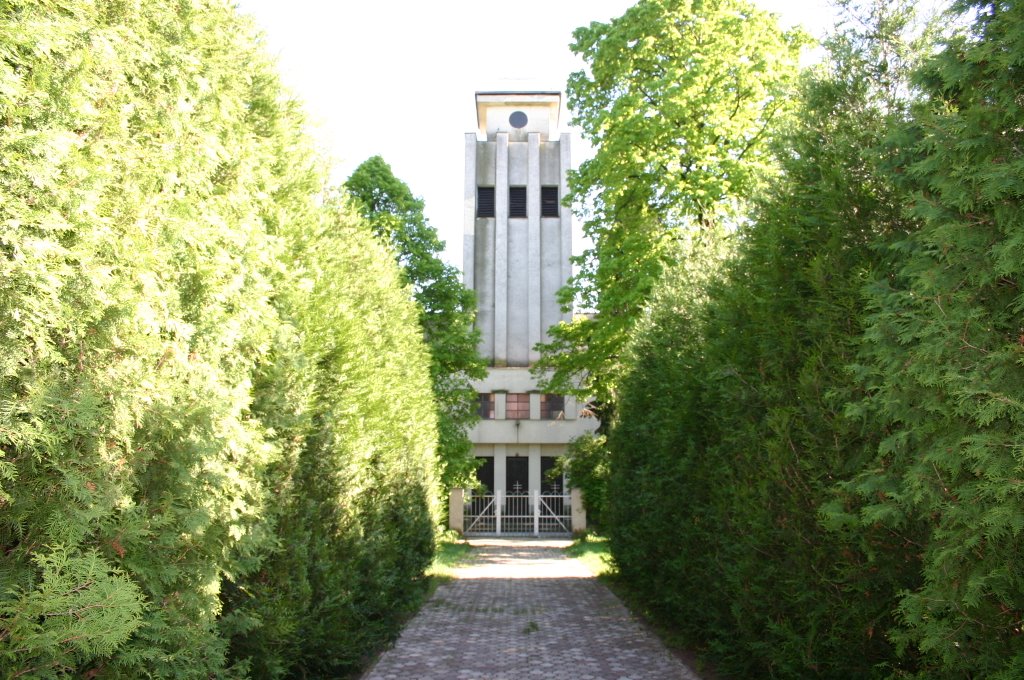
point(216, 430)
point(815, 470)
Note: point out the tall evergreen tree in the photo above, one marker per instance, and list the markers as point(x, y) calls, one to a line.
point(204, 442)
point(447, 308)
point(733, 429)
point(359, 503)
point(943, 357)
point(134, 296)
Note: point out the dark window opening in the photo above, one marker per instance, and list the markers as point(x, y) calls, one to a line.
point(551, 482)
point(485, 201)
point(485, 473)
point(517, 201)
point(517, 475)
point(549, 201)
point(486, 408)
point(517, 407)
point(552, 407)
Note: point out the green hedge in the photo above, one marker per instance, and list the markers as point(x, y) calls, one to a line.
point(942, 360)
point(815, 470)
point(216, 426)
point(357, 503)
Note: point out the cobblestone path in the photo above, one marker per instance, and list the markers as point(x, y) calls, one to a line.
point(522, 609)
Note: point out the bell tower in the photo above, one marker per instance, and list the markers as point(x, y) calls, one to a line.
point(518, 236)
point(516, 247)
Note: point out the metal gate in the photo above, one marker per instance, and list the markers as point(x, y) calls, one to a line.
point(523, 514)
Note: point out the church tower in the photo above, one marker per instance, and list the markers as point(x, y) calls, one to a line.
point(516, 249)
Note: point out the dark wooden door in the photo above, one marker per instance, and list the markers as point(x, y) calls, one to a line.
point(517, 474)
point(549, 483)
point(485, 473)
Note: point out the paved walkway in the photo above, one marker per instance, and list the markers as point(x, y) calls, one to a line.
point(522, 609)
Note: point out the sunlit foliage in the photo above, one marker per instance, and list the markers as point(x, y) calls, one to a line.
point(206, 368)
point(680, 98)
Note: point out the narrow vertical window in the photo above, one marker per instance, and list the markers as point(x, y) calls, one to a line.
point(485, 475)
point(549, 201)
point(485, 201)
point(486, 408)
point(551, 482)
point(517, 201)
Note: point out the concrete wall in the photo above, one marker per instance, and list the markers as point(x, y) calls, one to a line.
point(500, 381)
point(494, 110)
point(533, 438)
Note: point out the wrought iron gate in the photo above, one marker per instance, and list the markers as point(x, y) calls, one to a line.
point(523, 514)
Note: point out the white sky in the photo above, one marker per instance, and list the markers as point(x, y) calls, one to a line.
point(398, 77)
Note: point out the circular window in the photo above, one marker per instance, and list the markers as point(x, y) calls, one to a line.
point(518, 119)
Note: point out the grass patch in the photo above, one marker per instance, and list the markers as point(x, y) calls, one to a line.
point(593, 552)
point(452, 552)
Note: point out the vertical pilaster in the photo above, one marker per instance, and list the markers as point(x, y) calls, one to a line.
point(469, 214)
point(534, 469)
point(501, 252)
point(499, 467)
point(572, 411)
point(456, 506)
point(579, 512)
point(566, 213)
point(533, 329)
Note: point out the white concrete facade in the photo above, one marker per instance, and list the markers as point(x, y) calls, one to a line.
point(516, 263)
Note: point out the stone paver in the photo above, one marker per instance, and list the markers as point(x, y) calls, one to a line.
point(521, 609)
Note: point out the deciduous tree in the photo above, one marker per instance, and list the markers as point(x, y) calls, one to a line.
point(680, 99)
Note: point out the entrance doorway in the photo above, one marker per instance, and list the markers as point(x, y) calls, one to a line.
point(517, 474)
point(509, 506)
point(485, 474)
point(550, 483)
